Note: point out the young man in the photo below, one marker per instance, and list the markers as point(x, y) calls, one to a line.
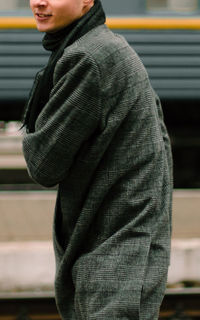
point(94, 127)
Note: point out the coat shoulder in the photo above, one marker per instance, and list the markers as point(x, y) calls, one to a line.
point(109, 51)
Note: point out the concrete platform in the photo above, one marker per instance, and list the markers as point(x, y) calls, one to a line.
point(26, 266)
point(186, 213)
point(29, 215)
point(12, 162)
point(26, 251)
point(30, 265)
point(11, 156)
point(26, 216)
point(185, 261)
point(11, 141)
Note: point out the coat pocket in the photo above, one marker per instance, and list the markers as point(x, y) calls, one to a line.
point(109, 286)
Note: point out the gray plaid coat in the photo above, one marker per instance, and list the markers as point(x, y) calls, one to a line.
point(102, 139)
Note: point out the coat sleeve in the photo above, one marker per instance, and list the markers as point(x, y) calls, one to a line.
point(66, 121)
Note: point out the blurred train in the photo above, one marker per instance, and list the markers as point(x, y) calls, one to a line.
point(168, 42)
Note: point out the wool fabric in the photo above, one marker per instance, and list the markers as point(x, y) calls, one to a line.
point(102, 139)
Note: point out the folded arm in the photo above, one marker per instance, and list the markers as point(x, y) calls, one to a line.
point(66, 121)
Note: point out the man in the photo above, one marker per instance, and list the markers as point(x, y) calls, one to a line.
point(94, 127)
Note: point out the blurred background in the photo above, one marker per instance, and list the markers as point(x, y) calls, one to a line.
point(166, 35)
point(129, 7)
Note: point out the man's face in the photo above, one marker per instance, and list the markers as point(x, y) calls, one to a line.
point(53, 15)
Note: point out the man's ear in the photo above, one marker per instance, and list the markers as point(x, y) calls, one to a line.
point(88, 2)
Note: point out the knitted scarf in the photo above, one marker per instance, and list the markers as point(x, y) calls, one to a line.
point(57, 42)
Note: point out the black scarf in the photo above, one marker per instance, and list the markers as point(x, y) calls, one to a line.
point(57, 42)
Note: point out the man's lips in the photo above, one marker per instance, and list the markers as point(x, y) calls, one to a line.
point(43, 15)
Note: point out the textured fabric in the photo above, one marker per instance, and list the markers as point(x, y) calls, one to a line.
point(57, 42)
point(102, 139)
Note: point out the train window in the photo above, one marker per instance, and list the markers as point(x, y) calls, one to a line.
point(173, 5)
point(156, 4)
point(22, 4)
point(14, 4)
point(128, 7)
